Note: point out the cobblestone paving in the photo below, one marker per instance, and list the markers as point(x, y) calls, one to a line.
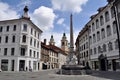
point(50, 75)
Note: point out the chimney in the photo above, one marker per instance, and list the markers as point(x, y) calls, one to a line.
point(45, 41)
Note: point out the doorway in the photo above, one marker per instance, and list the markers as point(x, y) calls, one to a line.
point(22, 65)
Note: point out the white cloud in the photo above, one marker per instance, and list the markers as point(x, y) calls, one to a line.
point(6, 12)
point(43, 17)
point(60, 21)
point(68, 5)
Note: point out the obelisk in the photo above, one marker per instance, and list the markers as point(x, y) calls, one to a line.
point(71, 53)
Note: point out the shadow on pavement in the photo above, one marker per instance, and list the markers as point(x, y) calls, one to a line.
point(113, 75)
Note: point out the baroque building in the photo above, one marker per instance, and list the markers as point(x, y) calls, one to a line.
point(103, 40)
point(19, 44)
point(51, 55)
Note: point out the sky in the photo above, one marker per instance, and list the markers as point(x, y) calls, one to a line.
point(53, 16)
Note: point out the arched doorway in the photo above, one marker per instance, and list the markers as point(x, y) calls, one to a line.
point(102, 62)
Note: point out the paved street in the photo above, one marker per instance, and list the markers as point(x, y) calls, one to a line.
point(50, 75)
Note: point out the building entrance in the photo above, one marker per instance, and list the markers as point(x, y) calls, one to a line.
point(22, 65)
point(103, 62)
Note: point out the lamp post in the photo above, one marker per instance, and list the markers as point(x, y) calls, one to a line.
point(116, 5)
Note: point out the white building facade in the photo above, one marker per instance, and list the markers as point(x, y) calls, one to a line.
point(103, 45)
point(19, 44)
point(104, 52)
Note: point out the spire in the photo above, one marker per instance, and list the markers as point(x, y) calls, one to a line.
point(25, 15)
point(51, 41)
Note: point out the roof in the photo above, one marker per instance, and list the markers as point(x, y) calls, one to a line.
point(53, 48)
point(20, 19)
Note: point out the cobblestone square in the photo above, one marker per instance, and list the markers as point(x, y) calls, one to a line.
point(50, 75)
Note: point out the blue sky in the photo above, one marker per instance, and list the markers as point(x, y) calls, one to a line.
point(52, 16)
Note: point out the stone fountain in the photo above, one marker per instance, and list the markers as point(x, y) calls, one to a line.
point(72, 68)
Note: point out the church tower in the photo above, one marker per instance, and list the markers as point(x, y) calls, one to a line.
point(64, 43)
point(51, 41)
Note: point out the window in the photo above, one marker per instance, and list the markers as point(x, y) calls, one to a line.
point(38, 44)
point(31, 31)
point(108, 30)
point(5, 51)
point(31, 41)
point(86, 44)
point(112, 12)
point(110, 47)
point(93, 27)
point(14, 28)
point(34, 42)
point(114, 27)
point(13, 39)
point(90, 40)
point(38, 35)
point(12, 51)
point(90, 51)
point(95, 52)
point(24, 27)
point(7, 28)
point(101, 20)
point(89, 29)
point(22, 51)
point(104, 48)
point(0, 39)
point(34, 53)
point(116, 44)
point(94, 38)
point(97, 24)
point(24, 38)
point(30, 53)
point(6, 39)
point(98, 36)
point(103, 33)
point(107, 18)
point(1, 28)
point(99, 49)
point(37, 54)
point(35, 33)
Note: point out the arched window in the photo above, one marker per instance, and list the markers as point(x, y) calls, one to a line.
point(94, 38)
point(93, 27)
point(110, 47)
point(103, 33)
point(101, 20)
point(104, 48)
point(116, 44)
point(108, 30)
point(112, 12)
point(24, 38)
point(98, 36)
point(97, 24)
point(114, 27)
point(90, 40)
point(89, 29)
point(107, 18)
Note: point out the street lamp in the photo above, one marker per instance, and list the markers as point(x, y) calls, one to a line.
point(116, 5)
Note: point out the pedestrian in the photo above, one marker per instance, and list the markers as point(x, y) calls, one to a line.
point(26, 68)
